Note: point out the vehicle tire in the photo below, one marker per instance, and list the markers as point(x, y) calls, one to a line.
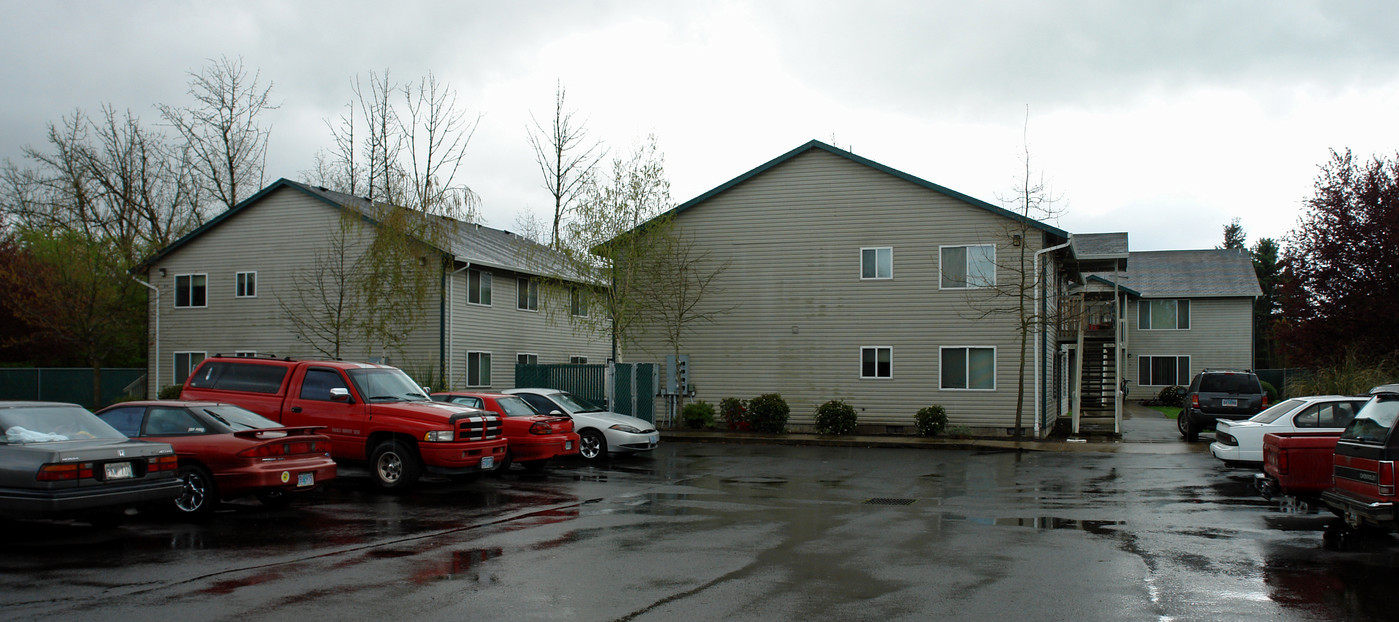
point(275, 499)
point(504, 465)
point(200, 495)
point(592, 445)
point(394, 465)
point(534, 466)
point(1188, 430)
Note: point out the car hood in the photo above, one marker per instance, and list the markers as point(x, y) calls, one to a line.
point(608, 418)
point(427, 411)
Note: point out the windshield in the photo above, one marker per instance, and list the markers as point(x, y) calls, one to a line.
point(386, 384)
point(575, 404)
point(516, 407)
point(1272, 414)
point(50, 424)
point(1372, 423)
point(238, 419)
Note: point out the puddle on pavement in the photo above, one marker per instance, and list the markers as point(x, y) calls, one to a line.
point(456, 565)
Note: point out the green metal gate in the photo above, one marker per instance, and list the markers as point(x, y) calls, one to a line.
point(66, 384)
point(633, 390)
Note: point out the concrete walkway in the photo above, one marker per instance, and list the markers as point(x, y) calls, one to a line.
point(1144, 431)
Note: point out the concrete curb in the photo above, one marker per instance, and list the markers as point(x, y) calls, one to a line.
point(915, 442)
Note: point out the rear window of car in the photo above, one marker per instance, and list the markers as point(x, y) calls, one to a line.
point(51, 424)
point(230, 376)
point(516, 407)
point(1372, 423)
point(1272, 414)
point(1230, 383)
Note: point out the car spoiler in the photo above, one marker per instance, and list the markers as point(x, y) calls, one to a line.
point(281, 432)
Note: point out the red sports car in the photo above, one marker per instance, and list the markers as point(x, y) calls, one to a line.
point(534, 438)
point(226, 452)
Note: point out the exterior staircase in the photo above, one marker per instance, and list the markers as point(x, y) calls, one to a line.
point(1098, 385)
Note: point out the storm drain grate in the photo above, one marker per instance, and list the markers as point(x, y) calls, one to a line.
point(889, 501)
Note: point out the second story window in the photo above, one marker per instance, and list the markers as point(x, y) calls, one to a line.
point(190, 290)
point(579, 301)
point(877, 263)
point(245, 285)
point(527, 294)
point(968, 266)
point(478, 287)
point(1163, 314)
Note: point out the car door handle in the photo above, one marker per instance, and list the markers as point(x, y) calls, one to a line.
point(296, 409)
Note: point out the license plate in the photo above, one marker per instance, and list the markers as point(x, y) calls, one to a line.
point(654, 438)
point(118, 470)
point(568, 445)
point(487, 462)
point(305, 479)
point(1227, 402)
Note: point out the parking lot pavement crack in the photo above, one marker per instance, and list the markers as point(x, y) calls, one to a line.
point(682, 595)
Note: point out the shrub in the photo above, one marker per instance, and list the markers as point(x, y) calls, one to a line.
point(835, 417)
point(170, 392)
point(768, 413)
point(698, 415)
point(931, 421)
point(1271, 390)
point(735, 413)
point(1169, 396)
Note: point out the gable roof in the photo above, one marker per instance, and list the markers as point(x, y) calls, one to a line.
point(1213, 273)
point(1095, 246)
point(818, 145)
point(468, 242)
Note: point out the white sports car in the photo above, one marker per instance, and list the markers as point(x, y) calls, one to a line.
point(599, 431)
point(1242, 441)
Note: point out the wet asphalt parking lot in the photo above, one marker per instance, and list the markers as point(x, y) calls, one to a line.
point(707, 531)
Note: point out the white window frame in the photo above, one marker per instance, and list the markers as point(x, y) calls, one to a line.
point(204, 286)
point(876, 350)
point(966, 373)
point(578, 302)
point(577, 360)
point(484, 285)
point(966, 258)
point(245, 353)
point(190, 363)
point(875, 250)
point(487, 368)
point(1144, 311)
point(523, 358)
point(243, 283)
point(530, 289)
point(1181, 372)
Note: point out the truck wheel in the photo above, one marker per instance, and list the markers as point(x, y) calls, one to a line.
point(591, 445)
point(200, 496)
point(395, 465)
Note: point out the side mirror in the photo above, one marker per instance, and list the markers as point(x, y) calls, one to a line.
point(339, 395)
point(426, 390)
point(556, 412)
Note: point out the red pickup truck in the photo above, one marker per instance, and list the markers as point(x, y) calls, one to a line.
point(1365, 473)
point(1296, 464)
point(372, 413)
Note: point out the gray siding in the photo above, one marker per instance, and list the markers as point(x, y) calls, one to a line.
point(1220, 337)
point(797, 312)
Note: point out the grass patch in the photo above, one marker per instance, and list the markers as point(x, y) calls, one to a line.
point(1171, 412)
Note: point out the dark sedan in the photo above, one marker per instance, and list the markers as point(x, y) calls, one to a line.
point(60, 461)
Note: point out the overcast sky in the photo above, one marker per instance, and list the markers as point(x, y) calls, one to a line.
point(1162, 119)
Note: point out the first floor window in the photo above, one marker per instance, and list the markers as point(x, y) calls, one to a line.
point(245, 285)
point(185, 362)
point(877, 362)
point(527, 294)
point(577, 360)
point(478, 369)
point(968, 368)
point(1163, 371)
point(526, 359)
point(877, 263)
point(190, 290)
point(968, 266)
point(478, 287)
point(1163, 314)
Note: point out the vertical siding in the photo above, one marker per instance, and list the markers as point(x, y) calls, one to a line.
point(1220, 337)
point(797, 312)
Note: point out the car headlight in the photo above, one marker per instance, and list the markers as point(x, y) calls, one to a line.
point(439, 436)
point(622, 427)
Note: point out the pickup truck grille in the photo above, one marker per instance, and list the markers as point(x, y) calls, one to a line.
point(478, 427)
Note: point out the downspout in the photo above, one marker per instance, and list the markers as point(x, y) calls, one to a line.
point(442, 308)
point(1042, 344)
point(157, 332)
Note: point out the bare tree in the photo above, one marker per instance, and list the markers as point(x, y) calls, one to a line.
point(566, 160)
point(223, 129)
point(323, 303)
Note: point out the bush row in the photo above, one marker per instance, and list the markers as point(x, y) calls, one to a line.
point(769, 412)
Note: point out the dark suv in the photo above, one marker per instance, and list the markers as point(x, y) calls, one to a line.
point(1219, 394)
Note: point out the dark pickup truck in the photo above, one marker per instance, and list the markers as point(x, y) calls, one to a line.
point(1296, 464)
point(1364, 467)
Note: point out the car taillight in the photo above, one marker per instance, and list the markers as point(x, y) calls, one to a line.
point(162, 463)
point(1385, 478)
point(1265, 400)
point(290, 448)
point(1280, 459)
point(1195, 401)
point(540, 427)
point(64, 472)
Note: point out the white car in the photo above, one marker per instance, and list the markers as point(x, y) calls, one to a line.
point(1242, 441)
point(599, 431)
